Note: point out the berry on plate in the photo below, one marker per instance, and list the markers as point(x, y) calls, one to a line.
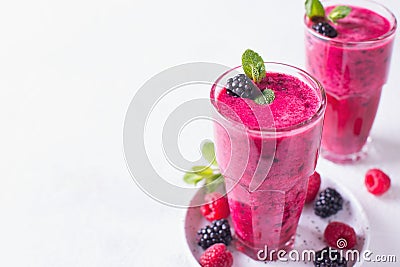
point(328, 203)
point(329, 258)
point(377, 182)
point(314, 182)
point(216, 208)
point(340, 235)
point(218, 232)
point(216, 256)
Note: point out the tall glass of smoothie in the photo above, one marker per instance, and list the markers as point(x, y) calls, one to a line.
point(352, 67)
point(266, 154)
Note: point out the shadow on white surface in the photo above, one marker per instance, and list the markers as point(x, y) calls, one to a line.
point(393, 195)
point(382, 150)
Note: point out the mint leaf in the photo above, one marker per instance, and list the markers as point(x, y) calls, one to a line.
point(314, 9)
point(260, 100)
point(208, 152)
point(202, 170)
point(192, 178)
point(339, 12)
point(211, 176)
point(213, 182)
point(197, 174)
point(253, 65)
point(267, 97)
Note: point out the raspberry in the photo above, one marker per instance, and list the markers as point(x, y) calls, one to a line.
point(217, 207)
point(216, 256)
point(329, 202)
point(242, 86)
point(377, 182)
point(314, 182)
point(325, 29)
point(340, 235)
point(218, 232)
point(328, 257)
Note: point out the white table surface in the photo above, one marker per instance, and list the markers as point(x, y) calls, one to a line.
point(68, 71)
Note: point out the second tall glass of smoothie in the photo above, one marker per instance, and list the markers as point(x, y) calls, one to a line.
point(352, 67)
point(266, 154)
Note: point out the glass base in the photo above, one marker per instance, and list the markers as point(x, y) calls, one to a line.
point(265, 253)
point(346, 159)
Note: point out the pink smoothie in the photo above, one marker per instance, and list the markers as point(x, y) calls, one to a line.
point(269, 215)
point(294, 103)
point(352, 74)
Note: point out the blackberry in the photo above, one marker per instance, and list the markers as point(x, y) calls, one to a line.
point(328, 257)
point(329, 202)
point(242, 86)
point(325, 29)
point(218, 232)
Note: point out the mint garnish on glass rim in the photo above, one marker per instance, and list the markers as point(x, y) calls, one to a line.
point(339, 12)
point(267, 97)
point(315, 9)
point(253, 65)
point(254, 68)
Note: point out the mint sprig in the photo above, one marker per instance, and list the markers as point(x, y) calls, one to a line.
point(339, 12)
point(314, 9)
point(211, 177)
point(253, 65)
point(267, 97)
point(208, 152)
point(197, 174)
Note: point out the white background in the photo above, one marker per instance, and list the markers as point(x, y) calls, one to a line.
point(68, 70)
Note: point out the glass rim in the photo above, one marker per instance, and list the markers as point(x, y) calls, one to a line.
point(317, 115)
point(375, 40)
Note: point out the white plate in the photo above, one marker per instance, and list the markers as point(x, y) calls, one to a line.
point(309, 232)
